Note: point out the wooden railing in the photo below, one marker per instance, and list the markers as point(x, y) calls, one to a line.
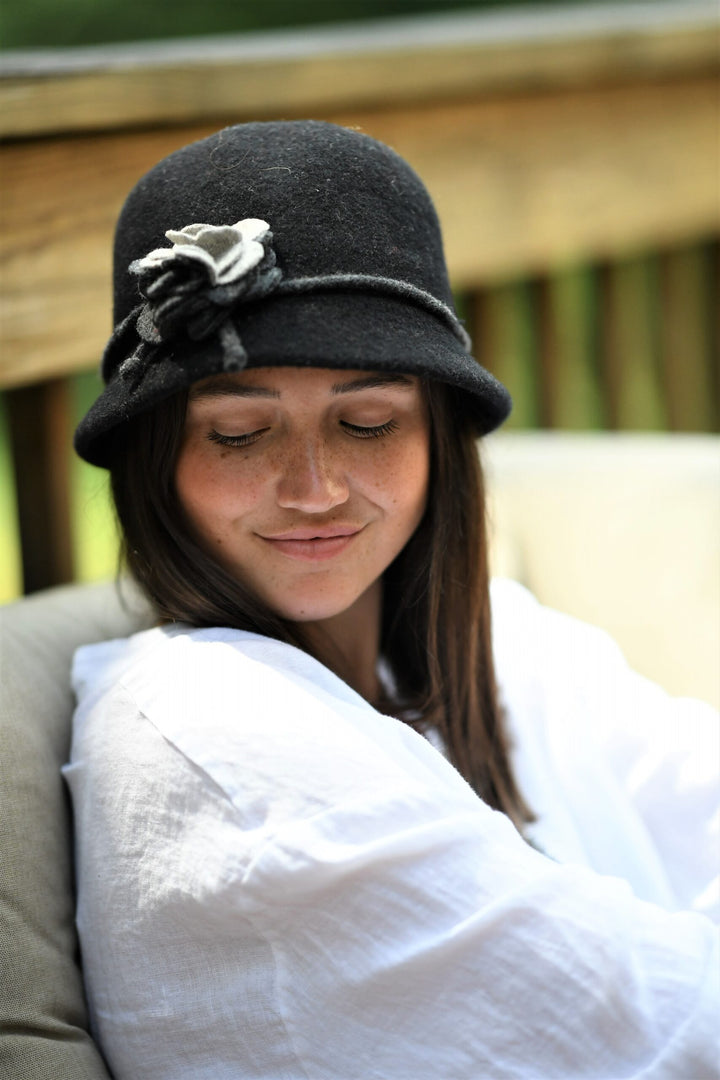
point(572, 155)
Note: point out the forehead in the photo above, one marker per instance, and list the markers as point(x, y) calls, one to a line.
point(278, 382)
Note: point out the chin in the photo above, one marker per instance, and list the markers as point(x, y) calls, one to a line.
point(311, 612)
point(313, 605)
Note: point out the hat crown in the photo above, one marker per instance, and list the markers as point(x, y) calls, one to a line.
point(337, 202)
point(291, 243)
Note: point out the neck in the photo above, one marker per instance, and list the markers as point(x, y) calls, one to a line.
point(349, 643)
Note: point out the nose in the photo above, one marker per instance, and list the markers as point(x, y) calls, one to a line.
point(311, 478)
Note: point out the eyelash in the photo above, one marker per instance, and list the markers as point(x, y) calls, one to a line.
point(377, 432)
point(357, 431)
point(235, 440)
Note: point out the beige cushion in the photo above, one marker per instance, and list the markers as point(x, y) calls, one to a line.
point(42, 1009)
point(623, 531)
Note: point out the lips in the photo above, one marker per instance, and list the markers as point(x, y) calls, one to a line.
point(315, 532)
point(314, 542)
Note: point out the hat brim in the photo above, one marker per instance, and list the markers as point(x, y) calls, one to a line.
point(343, 330)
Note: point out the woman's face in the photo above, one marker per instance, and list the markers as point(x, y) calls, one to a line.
point(305, 482)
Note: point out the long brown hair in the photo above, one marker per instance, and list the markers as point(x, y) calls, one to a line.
point(436, 633)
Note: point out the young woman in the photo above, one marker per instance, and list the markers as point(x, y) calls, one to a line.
point(328, 826)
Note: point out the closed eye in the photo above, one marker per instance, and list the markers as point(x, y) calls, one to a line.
point(235, 440)
point(377, 431)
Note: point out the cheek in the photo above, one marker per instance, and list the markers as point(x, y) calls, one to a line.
point(211, 491)
point(401, 481)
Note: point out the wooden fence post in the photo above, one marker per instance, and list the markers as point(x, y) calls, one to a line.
point(39, 423)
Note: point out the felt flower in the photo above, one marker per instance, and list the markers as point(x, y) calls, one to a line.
point(192, 287)
point(228, 252)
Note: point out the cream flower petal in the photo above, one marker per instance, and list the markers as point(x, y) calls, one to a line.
point(153, 259)
point(212, 238)
point(238, 262)
point(251, 228)
point(228, 251)
point(199, 255)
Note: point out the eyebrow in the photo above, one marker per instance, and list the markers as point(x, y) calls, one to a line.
point(228, 387)
point(371, 382)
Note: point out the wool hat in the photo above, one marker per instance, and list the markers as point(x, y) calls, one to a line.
point(279, 243)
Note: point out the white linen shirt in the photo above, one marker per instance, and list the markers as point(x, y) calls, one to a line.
point(277, 882)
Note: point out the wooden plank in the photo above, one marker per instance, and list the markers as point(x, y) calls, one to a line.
point(40, 437)
point(631, 346)
point(521, 184)
point(570, 381)
point(715, 358)
point(689, 296)
point(10, 574)
point(366, 65)
point(502, 321)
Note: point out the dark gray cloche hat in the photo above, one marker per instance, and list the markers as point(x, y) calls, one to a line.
point(271, 244)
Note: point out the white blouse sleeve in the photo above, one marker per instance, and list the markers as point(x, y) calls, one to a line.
point(638, 768)
point(276, 881)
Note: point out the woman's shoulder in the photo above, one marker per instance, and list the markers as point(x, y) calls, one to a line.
point(178, 658)
point(222, 696)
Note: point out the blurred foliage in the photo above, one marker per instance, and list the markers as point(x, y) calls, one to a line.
point(94, 530)
point(30, 24)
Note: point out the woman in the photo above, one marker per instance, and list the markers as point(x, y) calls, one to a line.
point(280, 872)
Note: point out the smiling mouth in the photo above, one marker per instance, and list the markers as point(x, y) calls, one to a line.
point(309, 546)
